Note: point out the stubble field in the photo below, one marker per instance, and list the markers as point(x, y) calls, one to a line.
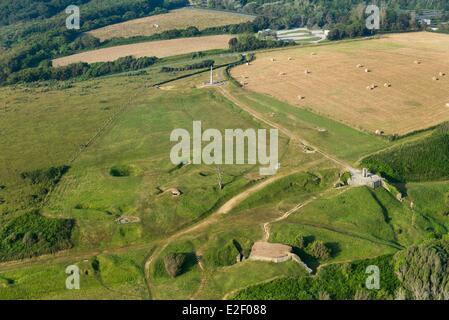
point(160, 49)
point(176, 19)
point(336, 87)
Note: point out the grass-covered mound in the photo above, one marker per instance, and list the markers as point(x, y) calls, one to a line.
point(32, 234)
point(225, 252)
point(424, 160)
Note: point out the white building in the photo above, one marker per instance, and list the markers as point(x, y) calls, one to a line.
point(365, 178)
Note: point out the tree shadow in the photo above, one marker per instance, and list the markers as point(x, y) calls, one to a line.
point(190, 261)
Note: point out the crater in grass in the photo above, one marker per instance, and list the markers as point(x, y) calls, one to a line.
point(121, 171)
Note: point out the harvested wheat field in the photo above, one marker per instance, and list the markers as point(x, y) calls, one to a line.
point(160, 49)
point(176, 19)
point(396, 84)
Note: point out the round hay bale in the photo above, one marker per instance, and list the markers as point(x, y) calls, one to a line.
point(306, 71)
point(290, 58)
point(447, 104)
point(301, 98)
point(282, 73)
point(441, 74)
point(435, 78)
point(387, 85)
point(417, 62)
point(273, 59)
point(367, 70)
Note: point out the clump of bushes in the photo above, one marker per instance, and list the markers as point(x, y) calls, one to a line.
point(42, 181)
point(48, 176)
point(32, 234)
point(315, 248)
point(174, 263)
point(249, 42)
point(319, 250)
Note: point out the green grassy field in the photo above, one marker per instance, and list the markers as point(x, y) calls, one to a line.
point(115, 276)
point(113, 133)
point(338, 139)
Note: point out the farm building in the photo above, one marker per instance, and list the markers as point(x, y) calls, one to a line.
point(365, 178)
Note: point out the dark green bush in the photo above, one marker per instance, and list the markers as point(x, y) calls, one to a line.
point(32, 234)
point(319, 250)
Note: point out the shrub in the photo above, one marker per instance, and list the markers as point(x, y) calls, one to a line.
point(319, 250)
point(174, 263)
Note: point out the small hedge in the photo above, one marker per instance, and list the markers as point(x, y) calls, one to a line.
point(174, 263)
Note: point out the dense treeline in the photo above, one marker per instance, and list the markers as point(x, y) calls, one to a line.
point(20, 10)
point(321, 13)
point(199, 65)
point(33, 44)
point(248, 42)
point(424, 160)
point(344, 18)
point(81, 70)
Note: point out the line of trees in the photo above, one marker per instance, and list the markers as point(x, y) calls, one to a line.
point(249, 42)
point(32, 44)
point(81, 70)
point(200, 65)
point(316, 13)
